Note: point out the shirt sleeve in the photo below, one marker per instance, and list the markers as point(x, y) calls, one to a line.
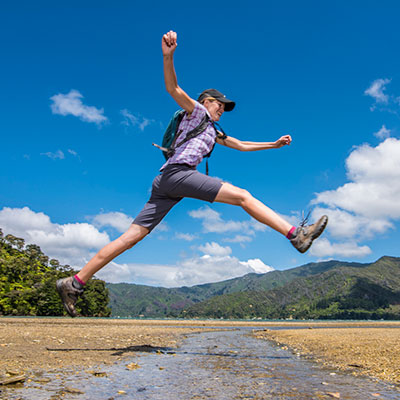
point(198, 113)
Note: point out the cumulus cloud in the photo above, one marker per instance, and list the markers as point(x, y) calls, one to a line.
point(383, 133)
point(382, 100)
point(346, 225)
point(257, 266)
point(238, 239)
point(134, 120)
point(74, 243)
point(214, 267)
point(374, 187)
point(214, 249)
point(69, 243)
point(376, 90)
point(365, 206)
point(71, 104)
point(212, 222)
point(117, 220)
point(324, 248)
point(185, 236)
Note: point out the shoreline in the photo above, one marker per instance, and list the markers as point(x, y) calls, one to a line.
point(55, 343)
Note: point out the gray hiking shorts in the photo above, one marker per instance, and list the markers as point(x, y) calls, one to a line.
point(171, 186)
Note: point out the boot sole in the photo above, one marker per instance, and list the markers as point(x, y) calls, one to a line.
point(62, 296)
point(321, 229)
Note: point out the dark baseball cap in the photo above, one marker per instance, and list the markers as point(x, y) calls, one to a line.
point(216, 94)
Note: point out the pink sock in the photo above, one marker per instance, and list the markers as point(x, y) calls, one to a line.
point(80, 280)
point(290, 233)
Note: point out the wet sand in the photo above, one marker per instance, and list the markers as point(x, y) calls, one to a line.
point(47, 344)
point(55, 343)
point(372, 351)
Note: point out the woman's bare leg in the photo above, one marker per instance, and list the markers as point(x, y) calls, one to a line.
point(230, 194)
point(113, 249)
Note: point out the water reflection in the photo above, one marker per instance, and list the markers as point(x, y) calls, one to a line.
point(229, 364)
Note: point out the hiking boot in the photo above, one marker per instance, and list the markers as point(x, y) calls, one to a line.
point(69, 294)
point(304, 235)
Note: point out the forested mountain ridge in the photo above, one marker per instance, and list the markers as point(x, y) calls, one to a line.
point(345, 291)
point(330, 289)
point(28, 279)
point(325, 290)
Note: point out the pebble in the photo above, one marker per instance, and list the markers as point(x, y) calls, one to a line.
point(132, 366)
point(335, 395)
point(73, 390)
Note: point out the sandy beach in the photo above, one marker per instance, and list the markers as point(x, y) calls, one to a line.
point(372, 351)
point(55, 343)
point(28, 344)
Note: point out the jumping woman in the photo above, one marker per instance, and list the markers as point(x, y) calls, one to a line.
point(179, 178)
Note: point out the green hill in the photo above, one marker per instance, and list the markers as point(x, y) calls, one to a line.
point(28, 278)
point(346, 291)
point(331, 289)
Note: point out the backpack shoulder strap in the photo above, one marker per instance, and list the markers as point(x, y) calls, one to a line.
point(194, 132)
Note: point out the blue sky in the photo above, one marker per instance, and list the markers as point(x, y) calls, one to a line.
point(82, 98)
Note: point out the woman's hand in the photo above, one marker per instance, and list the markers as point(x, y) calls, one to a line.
point(169, 43)
point(283, 141)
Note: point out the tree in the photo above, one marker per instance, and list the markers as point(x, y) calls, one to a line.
point(28, 283)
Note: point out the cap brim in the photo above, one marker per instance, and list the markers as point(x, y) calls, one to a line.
point(229, 104)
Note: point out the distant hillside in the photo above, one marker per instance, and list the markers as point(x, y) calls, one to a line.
point(130, 300)
point(346, 291)
point(330, 289)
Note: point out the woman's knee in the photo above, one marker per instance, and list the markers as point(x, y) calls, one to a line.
point(244, 197)
point(134, 235)
point(233, 195)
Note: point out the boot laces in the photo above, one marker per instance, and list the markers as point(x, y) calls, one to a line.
point(304, 220)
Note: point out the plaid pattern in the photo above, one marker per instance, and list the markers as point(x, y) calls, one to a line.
point(193, 151)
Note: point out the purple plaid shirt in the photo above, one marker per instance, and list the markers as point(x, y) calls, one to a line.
point(193, 151)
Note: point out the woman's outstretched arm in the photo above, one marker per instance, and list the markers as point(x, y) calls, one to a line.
point(237, 144)
point(168, 45)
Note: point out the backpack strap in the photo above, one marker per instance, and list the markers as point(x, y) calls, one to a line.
point(220, 135)
point(190, 135)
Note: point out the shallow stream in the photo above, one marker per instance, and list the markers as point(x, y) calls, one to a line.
point(221, 365)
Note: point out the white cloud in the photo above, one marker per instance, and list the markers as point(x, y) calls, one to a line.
point(214, 249)
point(324, 248)
point(258, 266)
point(161, 227)
point(188, 272)
point(75, 243)
point(374, 187)
point(376, 90)
point(69, 243)
point(58, 155)
point(346, 225)
point(215, 265)
point(133, 120)
point(365, 206)
point(71, 104)
point(238, 239)
point(120, 221)
point(185, 236)
point(212, 222)
point(383, 133)
point(73, 152)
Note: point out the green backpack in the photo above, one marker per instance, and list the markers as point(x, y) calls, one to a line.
point(172, 133)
